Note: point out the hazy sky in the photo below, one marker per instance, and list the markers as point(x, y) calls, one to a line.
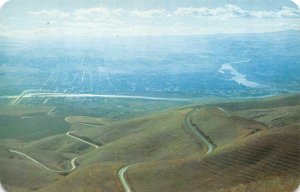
point(50, 18)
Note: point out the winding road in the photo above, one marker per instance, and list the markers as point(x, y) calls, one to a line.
point(73, 161)
point(85, 124)
point(1, 188)
point(223, 110)
point(79, 139)
point(121, 173)
point(50, 112)
point(187, 123)
point(39, 163)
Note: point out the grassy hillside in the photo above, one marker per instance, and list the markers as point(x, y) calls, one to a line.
point(98, 177)
point(30, 129)
point(23, 110)
point(254, 153)
point(268, 161)
point(223, 127)
point(276, 117)
point(143, 139)
point(257, 149)
point(19, 174)
point(263, 103)
point(86, 120)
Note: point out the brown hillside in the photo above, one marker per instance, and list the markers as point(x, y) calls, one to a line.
point(267, 161)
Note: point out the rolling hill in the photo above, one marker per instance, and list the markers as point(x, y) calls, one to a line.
point(256, 148)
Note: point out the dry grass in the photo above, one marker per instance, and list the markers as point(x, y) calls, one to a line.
point(144, 139)
point(19, 174)
point(87, 120)
point(257, 141)
point(98, 177)
point(268, 161)
point(224, 128)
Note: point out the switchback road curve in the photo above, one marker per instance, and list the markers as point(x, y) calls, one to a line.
point(187, 123)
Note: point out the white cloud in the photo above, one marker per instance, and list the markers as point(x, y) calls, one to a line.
point(284, 12)
point(226, 11)
point(263, 14)
point(289, 12)
point(181, 21)
point(99, 12)
point(192, 11)
point(151, 13)
point(80, 18)
point(219, 12)
point(235, 11)
point(49, 13)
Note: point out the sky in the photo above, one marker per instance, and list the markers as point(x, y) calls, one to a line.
point(82, 18)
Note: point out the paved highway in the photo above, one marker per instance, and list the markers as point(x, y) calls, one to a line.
point(187, 123)
point(73, 161)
